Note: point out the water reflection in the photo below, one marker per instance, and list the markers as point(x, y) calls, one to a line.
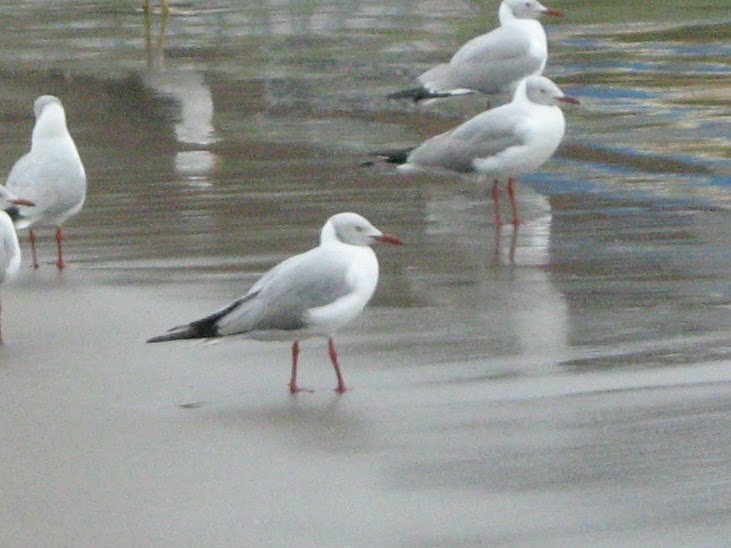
point(490, 289)
point(186, 86)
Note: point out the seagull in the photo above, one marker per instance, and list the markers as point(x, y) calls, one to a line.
point(494, 62)
point(503, 142)
point(9, 248)
point(308, 295)
point(51, 175)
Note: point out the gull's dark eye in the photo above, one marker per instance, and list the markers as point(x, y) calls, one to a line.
point(358, 228)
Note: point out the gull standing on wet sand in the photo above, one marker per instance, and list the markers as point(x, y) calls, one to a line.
point(494, 62)
point(51, 175)
point(9, 248)
point(309, 295)
point(503, 142)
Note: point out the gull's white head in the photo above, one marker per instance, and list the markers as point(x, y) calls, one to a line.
point(525, 9)
point(542, 91)
point(354, 229)
point(50, 117)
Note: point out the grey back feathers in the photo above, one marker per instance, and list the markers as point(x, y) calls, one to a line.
point(283, 298)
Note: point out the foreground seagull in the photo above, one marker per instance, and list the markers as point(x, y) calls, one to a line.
point(494, 62)
point(51, 175)
point(308, 295)
point(503, 142)
point(9, 248)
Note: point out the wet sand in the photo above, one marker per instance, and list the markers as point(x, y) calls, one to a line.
point(567, 384)
point(108, 441)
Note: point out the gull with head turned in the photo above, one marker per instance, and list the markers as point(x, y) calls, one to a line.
point(51, 175)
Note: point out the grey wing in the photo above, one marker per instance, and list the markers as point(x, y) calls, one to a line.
point(281, 299)
point(503, 43)
point(490, 63)
point(22, 182)
point(485, 135)
point(21, 176)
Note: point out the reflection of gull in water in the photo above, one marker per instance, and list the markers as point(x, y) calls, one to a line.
point(481, 295)
point(194, 126)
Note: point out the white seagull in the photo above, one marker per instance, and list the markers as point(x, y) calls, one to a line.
point(9, 248)
point(51, 175)
point(494, 62)
point(308, 295)
point(503, 142)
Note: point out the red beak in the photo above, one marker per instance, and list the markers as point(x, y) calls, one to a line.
point(553, 12)
point(389, 239)
point(569, 99)
point(23, 202)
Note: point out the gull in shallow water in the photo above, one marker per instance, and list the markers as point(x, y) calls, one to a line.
point(51, 175)
point(9, 248)
point(494, 62)
point(500, 143)
point(308, 295)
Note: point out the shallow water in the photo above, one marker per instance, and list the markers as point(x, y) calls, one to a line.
point(566, 384)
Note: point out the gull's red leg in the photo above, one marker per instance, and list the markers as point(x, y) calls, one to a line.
point(334, 358)
point(59, 238)
point(293, 388)
point(513, 205)
point(293, 379)
point(32, 238)
point(496, 201)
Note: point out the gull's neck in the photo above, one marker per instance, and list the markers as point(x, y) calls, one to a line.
point(505, 14)
point(507, 17)
point(328, 235)
point(51, 123)
point(520, 96)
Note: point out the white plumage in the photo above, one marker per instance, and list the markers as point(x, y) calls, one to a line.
point(500, 143)
point(51, 174)
point(9, 247)
point(311, 294)
point(493, 62)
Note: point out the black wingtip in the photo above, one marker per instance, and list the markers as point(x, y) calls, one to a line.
point(201, 329)
point(417, 94)
point(178, 333)
point(205, 328)
point(13, 212)
point(399, 156)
